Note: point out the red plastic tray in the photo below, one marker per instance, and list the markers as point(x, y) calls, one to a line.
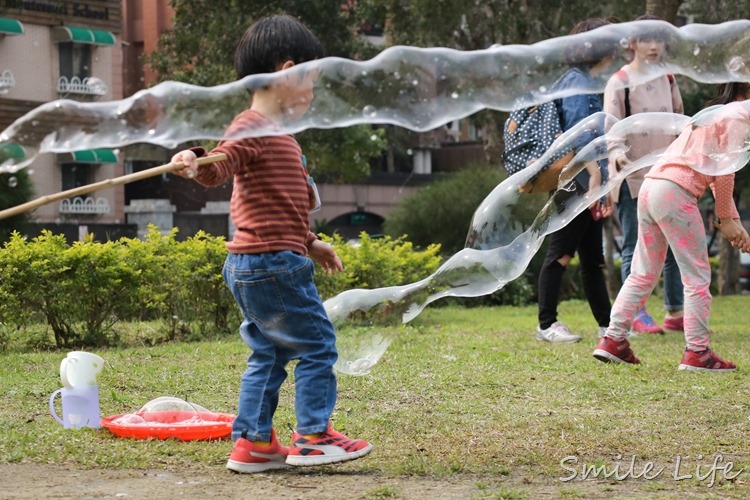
point(214, 426)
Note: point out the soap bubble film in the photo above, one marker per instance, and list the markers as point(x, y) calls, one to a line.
point(420, 89)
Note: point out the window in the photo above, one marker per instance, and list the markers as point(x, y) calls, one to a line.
point(75, 175)
point(75, 60)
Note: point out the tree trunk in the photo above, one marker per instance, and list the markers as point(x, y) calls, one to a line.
point(493, 142)
point(665, 9)
point(729, 269)
point(611, 274)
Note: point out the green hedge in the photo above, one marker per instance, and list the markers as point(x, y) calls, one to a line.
point(82, 291)
point(80, 294)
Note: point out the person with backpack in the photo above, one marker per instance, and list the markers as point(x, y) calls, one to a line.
point(584, 233)
point(622, 98)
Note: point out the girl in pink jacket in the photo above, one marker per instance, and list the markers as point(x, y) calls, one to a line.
point(668, 215)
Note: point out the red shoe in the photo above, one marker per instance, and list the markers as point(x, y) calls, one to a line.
point(644, 323)
point(706, 360)
point(331, 447)
point(610, 350)
point(676, 324)
point(249, 457)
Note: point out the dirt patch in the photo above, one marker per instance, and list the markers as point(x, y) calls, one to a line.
point(34, 481)
point(27, 481)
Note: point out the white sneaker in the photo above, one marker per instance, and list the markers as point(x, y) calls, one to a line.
point(558, 333)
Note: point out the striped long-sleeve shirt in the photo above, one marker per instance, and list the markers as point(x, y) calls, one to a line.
point(270, 196)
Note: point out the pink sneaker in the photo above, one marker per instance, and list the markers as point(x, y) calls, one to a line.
point(248, 457)
point(644, 323)
point(676, 324)
point(331, 447)
point(610, 350)
point(705, 361)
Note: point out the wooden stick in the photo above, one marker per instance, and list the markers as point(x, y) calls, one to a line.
point(117, 181)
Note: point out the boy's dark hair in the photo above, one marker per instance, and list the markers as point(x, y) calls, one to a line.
point(587, 55)
point(729, 92)
point(273, 40)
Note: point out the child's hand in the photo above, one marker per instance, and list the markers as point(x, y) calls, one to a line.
point(734, 233)
point(188, 159)
point(326, 256)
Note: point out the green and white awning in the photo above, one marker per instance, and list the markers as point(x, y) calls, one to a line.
point(12, 151)
point(10, 26)
point(83, 35)
point(94, 156)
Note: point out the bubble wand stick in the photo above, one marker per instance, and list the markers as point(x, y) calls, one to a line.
point(117, 181)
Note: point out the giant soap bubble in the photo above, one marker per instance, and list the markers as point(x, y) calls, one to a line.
point(416, 88)
point(421, 89)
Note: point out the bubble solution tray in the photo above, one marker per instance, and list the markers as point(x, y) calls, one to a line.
point(170, 418)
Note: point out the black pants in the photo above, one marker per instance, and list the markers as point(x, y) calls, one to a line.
point(583, 235)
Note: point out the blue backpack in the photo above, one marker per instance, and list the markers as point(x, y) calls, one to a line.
point(528, 133)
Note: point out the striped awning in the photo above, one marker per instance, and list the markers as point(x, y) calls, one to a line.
point(82, 35)
point(13, 151)
point(91, 156)
point(10, 26)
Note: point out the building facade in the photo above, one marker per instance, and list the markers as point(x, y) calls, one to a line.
point(93, 50)
point(53, 50)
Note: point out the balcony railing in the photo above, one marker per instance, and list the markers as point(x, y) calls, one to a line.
point(86, 206)
point(88, 86)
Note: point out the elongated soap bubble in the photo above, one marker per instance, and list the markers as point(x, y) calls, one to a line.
point(509, 226)
point(421, 89)
point(416, 88)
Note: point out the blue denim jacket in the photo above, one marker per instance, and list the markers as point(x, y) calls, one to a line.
point(575, 108)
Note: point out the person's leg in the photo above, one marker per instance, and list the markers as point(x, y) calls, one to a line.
point(591, 253)
point(313, 343)
point(561, 248)
point(562, 245)
point(673, 293)
point(550, 278)
point(627, 212)
point(646, 266)
point(684, 232)
point(261, 382)
point(279, 296)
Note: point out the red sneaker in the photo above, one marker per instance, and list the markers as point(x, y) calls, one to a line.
point(705, 361)
point(331, 447)
point(249, 457)
point(610, 350)
point(676, 324)
point(644, 323)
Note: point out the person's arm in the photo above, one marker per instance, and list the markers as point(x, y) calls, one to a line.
point(614, 104)
point(677, 105)
point(325, 255)
point(723, 188)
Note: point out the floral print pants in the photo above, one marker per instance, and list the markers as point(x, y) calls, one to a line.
point(668, 215)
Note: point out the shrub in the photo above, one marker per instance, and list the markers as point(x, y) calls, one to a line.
point(441, 212)
point(77, 289)
point(181, 283)
point(376, 263)
point(81, 291)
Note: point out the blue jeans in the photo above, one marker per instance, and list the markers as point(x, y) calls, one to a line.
point(627, 211)
point(284, 319)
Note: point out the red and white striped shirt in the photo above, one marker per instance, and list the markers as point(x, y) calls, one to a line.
point(271, 195)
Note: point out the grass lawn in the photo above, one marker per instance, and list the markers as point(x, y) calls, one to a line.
point(460, 392)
